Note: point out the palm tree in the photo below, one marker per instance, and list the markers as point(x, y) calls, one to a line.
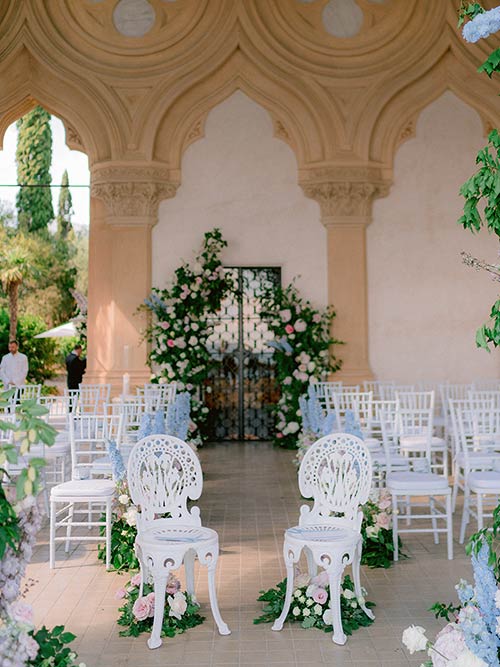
point(14, 269)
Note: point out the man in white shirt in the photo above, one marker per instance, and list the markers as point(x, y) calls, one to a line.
point(14, 367)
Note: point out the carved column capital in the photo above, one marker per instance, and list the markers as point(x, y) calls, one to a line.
point(345, 194)
point(132, 193)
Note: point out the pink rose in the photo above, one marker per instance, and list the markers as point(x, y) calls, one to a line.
point(289, 329)
point(22, 612)
point(31, 646)
point(279, 435)
point(382, 520)
point(142, 608)
point(165, 325)
point(320, 596)
point(321, 579)
point(170, 343)
point(120, 594)
point(136, 579)
point(385, 504)
point(316, 318)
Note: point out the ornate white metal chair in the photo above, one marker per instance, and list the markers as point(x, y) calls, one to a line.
point(336, 472)
point(163, 473)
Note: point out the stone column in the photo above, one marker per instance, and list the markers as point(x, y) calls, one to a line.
point(124, 209)
point(345, 196)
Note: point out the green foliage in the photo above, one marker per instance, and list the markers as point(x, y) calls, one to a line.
point(33, 158)
point(378, 545)
point(447, 611)
point(9, 531)
point(54, 650)
point(171, 626)
point(183, 315)
point(122, 545)
point(64, 208)
point(468, 10)
point(353, 617)
point(490, 535)
point(303, 352)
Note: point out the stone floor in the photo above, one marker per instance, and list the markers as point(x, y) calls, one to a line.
point(250, 496)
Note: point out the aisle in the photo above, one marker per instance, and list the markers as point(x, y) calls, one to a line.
point(250, 496)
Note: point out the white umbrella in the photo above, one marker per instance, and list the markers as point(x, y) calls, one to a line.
point(62, 331)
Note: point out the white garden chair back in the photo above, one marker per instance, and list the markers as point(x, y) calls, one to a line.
point(486, 384)
point(361, 405)
point(486, 397)
point(336, 473)
point(59, 408)
point(376, 387)
point(163, 474)
point(24, 393)
point(389, 391)
point(92, 398)
point(478, 472)
point(88, 438)
point(322, 388)
point(158, 396)
point(132, 412)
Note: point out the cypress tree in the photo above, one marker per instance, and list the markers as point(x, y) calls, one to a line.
point(33, 158)
point(64, 208)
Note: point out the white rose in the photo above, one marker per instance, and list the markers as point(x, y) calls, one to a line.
point(349, 595)
point(293, 427)
point(296, 611)
point(414, 639)
point(178, 605)
point(285, 315)
point(300, 325)
point(193, 341)
point(194, 326)
point(467, 659)
point(306, 612)
point(302, 599)
point(309, 602)
point(130, 516)
point(328, 617)
point(123, 499)
point(372, 531)
point(297, 593)
point(311, 366)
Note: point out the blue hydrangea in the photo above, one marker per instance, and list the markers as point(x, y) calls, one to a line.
point(179, 416)
point(159, 423)
point(352, 425)
point(313, 418)
point(146, 427)
point(116, 459)
point(465, 591)
point(482, 26)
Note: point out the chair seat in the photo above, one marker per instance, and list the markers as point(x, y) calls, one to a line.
point(84, 488)
point(418, 443)
point(324, 534)
point(414, 481)
point(378, 458)
point(487, 479)
point(175, 535)
point(479, 458)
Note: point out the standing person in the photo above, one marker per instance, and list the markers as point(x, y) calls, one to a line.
point(14, 367)
point(76, 367)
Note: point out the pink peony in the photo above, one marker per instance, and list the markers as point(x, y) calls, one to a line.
point(136, 579)
point(320, 596)
point(22, 612)
point(317, 318)
point(165, 325)
point(120, 594)
point(170, 343)
point(142, 608)
point(385, 503)
point(382, 520)
point(289, 329)
point(450, 644)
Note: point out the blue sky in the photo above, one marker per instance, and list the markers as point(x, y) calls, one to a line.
point(62, 158)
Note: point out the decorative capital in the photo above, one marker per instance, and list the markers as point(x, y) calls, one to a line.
point(345, 194)
point(132, 193)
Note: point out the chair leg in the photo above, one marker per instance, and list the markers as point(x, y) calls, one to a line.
point(68, 527)
point(465, 514)
point(160, 585)
point(395, 527)
point(312, 568)
point(480, 518)
point(108, 534)
point(335, 577)
point(356, 562)
point(278, 623)
point(432, 504)
point(408, 511)
point(189, 569)
point(52, 538)
point(449, 527)
point(214, 605)
point(455, 489)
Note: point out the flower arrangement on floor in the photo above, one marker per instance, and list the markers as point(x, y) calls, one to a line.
point(311, 604)
point(20, 520)
point(472, 636)
point(124, 512)
point(302, 344)
point(183, 315)
point(181, 610)
point(378, 546)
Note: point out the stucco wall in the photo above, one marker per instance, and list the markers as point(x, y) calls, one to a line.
point(243, 180)
point(424, 304)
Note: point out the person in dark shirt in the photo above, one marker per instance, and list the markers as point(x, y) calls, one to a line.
point(75, 367)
